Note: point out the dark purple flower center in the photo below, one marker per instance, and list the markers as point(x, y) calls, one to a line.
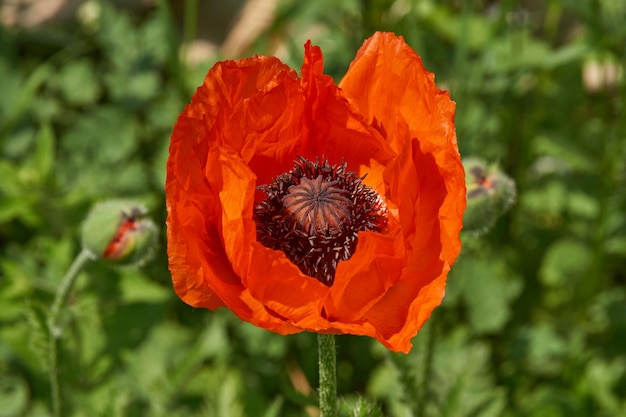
point(317, 205)
point(314, 212)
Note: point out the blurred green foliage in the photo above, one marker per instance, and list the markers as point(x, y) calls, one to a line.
point(534, 321)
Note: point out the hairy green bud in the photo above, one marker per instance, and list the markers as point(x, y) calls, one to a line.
point(117, 231)
point(490, 193)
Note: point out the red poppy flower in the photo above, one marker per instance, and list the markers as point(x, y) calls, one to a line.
point(303, 205)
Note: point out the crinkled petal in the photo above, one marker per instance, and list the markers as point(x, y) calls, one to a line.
point(425, 181)
point(412, 98)
point(210, 189)
point(413, 298)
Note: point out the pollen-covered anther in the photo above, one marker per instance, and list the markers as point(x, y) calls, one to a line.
point(313, 214)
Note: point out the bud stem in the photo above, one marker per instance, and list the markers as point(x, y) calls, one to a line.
point(328, 375)
point(54, 329)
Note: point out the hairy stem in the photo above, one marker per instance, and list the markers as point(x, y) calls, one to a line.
point(328, 375)
point(54, 329)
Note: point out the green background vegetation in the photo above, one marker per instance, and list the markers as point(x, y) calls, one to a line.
point(534, 321)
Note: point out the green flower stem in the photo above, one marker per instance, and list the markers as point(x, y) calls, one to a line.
point(328, 375)
point(54, 329)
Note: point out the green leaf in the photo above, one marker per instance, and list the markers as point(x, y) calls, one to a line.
point(274, 410)
point(463, 388)
point(565, 263)
point(43, 158)
point(78, 83)
point(359, 407)
point(560, 155)
point(14, 395)
point(488, 290)
point(135, 287)
point(133, 88)
point(547, 201)
point(24, 97)
point(545, 348)
point(602, 379)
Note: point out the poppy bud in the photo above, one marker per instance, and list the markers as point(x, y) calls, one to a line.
point(118, 232)
point(490, 193)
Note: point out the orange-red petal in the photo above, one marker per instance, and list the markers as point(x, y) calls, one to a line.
point(417, 121)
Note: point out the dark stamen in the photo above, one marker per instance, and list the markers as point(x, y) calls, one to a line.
point(314, 212)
